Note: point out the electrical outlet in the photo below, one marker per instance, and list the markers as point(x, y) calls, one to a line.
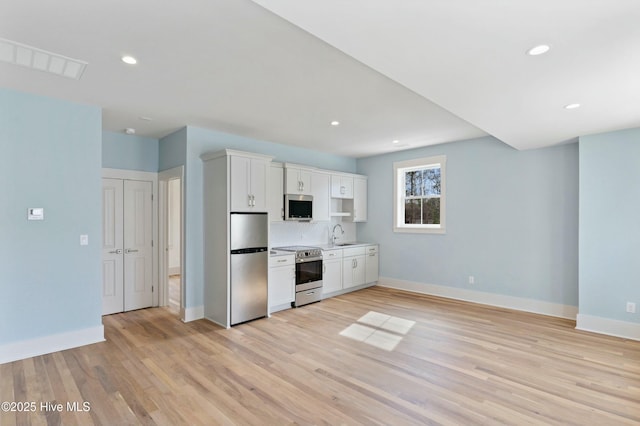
point(472, 279)
point(631, 307)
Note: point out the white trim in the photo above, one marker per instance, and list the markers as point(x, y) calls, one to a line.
point(611, 327)
point(163, 178)
point(484, 298)
point(347, 290)
point(48, 344)
point(192, 314)
point(129, 174)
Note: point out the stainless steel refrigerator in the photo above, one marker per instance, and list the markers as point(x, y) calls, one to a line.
point(249, 266)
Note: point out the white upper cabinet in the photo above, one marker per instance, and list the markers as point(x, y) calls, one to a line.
point(297, 180)
point(341, 186)
point(276, 196)
point(249, 179)
point(357, 207)
point(321, 199)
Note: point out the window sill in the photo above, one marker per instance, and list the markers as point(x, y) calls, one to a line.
point(419, 230)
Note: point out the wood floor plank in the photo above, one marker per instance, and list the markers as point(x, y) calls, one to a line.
point(458, 363)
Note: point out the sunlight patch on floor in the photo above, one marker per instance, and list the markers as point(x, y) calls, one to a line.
point(379, 330)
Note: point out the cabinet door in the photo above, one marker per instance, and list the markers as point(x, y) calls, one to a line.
point(348, 265)
point(341, 186)
point(321, 199)
point(297, 181)
point(259, 184)
point(359, 270)
point(372, 267)
point(282, 283)
point(276, 200)
point(353, 271)
point(332, 276)
point(292, 181)
point(240, 181)
point(359, 200)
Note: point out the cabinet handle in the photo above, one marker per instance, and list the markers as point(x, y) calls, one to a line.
point(253, 200)
point(117, 251)
point(130, 250)
point(282, 260)
point(249, 200)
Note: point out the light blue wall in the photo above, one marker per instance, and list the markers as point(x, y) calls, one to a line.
point(173, 150)
point(610, 224)
point(129, 152)
point(51, 158)
point(512, 221)
point(200, 141)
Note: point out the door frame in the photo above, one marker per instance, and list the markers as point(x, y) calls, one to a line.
point(153, 178)
point(163, 180)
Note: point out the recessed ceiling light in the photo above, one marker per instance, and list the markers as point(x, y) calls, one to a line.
point(335, 123)
point(395, 141)
point(572, 106)
point(130, 131)
point(143, 118)
point(538, 50)
point(129, 60)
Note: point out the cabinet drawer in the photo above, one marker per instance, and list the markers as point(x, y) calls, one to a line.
point(353, 251)
point(331, 254)
point(275, 261)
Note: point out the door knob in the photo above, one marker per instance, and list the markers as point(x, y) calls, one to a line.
point(117, 251)
point(130, 250)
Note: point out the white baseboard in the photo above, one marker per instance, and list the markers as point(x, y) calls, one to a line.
point(48, 344)
point(192, 314)
point(611, 327)
point(492, 299)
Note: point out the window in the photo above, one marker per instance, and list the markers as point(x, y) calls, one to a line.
point(419, 195)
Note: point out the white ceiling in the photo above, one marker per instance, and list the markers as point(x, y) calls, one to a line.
point(423, 70)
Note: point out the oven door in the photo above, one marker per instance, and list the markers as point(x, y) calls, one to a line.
point(308, 274)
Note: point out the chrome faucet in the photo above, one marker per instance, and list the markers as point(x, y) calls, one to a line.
point(333, 233)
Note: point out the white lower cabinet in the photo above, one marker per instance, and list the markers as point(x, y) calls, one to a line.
point(353, 267)
point(282, 282)
point(371, 264)
point(332, 273)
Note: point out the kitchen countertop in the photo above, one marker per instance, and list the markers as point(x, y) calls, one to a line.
point(347, 245)
point(275, 252)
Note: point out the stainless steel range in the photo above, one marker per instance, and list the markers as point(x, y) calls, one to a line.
point(308, 274)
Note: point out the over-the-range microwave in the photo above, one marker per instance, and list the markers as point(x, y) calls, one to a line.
point(298, 207)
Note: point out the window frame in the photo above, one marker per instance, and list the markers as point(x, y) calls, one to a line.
point(399, 170)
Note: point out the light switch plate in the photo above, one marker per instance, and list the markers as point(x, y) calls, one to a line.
point(84, 240)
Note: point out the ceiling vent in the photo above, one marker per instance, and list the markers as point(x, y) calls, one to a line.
point(38, 59)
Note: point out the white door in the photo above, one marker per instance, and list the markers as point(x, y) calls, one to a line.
point(112, 247)
point(127, 254)
point(138, 251)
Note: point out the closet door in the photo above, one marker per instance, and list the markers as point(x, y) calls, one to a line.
point(127, 251)
point(138, 250)
point(112, 246)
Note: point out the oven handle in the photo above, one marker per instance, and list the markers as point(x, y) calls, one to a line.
point(308, 259)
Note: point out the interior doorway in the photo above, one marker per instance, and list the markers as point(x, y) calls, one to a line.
point(172, 290)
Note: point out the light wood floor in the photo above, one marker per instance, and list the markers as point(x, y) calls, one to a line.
point(459, 364)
